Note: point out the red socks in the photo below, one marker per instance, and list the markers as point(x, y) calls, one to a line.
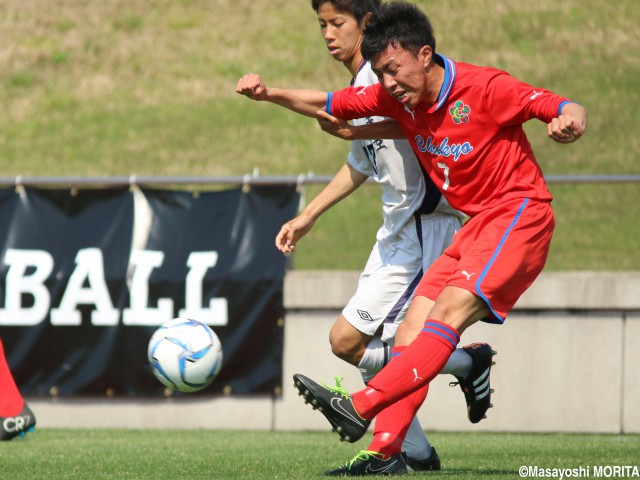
point(396, 393)
point(11, 402)
point(418, 365)
point(393, 422)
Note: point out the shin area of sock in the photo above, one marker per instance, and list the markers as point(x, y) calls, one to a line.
point(393, 422)
point(418, 364)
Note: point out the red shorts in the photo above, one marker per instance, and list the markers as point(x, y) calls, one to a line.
point(496, 255)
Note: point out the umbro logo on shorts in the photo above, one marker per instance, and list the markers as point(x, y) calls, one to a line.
point(365, 315)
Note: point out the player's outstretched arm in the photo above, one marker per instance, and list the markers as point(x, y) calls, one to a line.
point(371, 131)
point(570, 125)
point(346, 181)
point(305, 102)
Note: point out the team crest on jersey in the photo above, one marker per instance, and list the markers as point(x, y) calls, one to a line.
point(460, 112)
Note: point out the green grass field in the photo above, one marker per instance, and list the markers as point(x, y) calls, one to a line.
point(163, 454)
point(100, 88)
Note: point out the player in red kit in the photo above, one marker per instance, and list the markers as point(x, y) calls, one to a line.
point(16, 418)
point(465, 125)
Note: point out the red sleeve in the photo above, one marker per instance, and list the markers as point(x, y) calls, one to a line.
point(360, 102)
point(513, 102)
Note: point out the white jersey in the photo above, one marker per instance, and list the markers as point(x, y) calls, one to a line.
point(395, 167)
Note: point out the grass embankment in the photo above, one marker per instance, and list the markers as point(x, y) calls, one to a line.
point(119, 88)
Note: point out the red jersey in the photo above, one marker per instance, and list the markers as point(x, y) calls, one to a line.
point(471, 142)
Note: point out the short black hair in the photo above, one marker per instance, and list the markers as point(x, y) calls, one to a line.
point(357, 8)
point(397, 23)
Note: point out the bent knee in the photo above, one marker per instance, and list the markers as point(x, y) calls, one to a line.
point(347, 349)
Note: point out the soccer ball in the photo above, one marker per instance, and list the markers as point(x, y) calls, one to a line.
point(185, 355)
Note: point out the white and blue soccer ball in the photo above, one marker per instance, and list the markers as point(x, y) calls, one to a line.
point(185, 354)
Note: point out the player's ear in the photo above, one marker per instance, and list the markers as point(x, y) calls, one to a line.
point(365, 20)
point(425, 55)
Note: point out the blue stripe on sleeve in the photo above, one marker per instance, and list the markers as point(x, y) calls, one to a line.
point(328, 105)
point(561, 106)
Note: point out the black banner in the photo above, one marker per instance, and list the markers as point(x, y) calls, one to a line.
point(87, 276)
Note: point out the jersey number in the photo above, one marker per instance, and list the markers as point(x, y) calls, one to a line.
point(445, 185)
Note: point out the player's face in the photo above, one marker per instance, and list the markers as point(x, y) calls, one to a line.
point(403, 74)
point(341, 33)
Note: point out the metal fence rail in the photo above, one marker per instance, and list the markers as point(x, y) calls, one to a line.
point(250, 179)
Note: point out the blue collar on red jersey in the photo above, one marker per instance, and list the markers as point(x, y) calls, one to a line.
point(449, 78)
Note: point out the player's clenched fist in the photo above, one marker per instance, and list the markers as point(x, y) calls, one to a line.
point(570, 125)
point(252, 86)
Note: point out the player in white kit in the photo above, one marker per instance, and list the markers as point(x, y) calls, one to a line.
point(418, 224)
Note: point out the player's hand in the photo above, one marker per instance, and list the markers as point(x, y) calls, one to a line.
point(251, 85)
point(334, 126)
point(291, 232)
point(570, 125)
point(564, 129)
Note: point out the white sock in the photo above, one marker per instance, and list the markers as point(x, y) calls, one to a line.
point(416, 444)
point(376, 356)
point(459, 363)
